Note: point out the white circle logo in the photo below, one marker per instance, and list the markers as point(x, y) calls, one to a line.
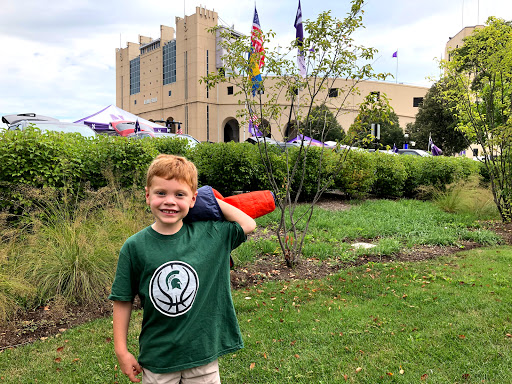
point(173, 288)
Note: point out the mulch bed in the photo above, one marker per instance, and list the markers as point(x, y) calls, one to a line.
point(53, 319)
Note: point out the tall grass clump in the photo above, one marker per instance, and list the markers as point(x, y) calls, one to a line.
point(467, 197)
point(14, 289)
point(71, 250)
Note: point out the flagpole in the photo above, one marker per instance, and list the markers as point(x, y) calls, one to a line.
point(396, 78)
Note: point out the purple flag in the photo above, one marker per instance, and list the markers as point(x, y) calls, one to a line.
point(137, 127)
point(299, 35)
point(395, 54)
point(436, 151)
point(395, 149)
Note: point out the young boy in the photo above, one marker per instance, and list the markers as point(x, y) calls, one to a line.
point(181, 273)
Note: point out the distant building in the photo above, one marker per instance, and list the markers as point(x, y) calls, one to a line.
point(158, 79)
point(457, 40)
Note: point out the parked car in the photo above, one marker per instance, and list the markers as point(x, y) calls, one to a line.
point(125, 128)
point(388, 152)
point(13, 119)
point(281, 144)
point(141, 135)
point(55, 125)
point(414, 152)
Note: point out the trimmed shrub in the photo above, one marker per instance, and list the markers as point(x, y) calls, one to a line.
point(357, 173)
point(390, 176)
point(227, 167)
point(127, 160)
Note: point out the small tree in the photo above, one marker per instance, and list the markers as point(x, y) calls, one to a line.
point(479, 84)
point(323, 125)
point(435, 119)
point(376, 110)
point(330, 56)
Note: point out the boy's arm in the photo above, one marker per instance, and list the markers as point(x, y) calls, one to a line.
point(127, 362)
point(232, 213)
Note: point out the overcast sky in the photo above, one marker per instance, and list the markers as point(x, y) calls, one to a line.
point(58, 57)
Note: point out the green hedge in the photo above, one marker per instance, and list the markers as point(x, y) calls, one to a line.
point(71, 161)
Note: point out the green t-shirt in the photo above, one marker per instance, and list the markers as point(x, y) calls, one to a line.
point(183, 282)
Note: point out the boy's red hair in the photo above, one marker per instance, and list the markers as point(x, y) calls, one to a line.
point(171, 167)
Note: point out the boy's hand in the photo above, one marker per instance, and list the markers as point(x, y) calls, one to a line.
point(130, 367)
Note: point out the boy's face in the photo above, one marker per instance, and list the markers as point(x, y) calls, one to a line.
point(170, 201)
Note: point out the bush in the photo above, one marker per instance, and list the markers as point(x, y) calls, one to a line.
point(170, 145)
point(357, 174)
point(227, 167)
point(71, 162)
point(390, 176)
point(127, 160)
point(436, 172)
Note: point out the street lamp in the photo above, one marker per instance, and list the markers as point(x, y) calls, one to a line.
point(406, 142)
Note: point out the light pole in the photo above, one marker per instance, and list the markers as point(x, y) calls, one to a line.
point(406, 141)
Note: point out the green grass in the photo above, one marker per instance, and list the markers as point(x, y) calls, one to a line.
point(391, 225)
point(441, 321)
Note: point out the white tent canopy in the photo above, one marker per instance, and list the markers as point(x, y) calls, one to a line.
point(102, 119)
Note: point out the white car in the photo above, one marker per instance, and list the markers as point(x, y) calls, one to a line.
point(56, 126)
point(192, 141)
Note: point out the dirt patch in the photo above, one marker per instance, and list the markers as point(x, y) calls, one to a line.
point(53, 319)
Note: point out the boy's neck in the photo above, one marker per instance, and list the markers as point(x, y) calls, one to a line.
point(167, 230)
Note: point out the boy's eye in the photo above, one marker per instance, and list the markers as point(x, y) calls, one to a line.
point(160, 193)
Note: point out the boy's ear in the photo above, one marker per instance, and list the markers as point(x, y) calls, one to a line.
point(147, 194)
point(193, 202)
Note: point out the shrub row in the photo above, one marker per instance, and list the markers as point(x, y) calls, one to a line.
point(71, 161)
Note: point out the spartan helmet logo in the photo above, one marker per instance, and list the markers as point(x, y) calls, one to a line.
point(173, 288)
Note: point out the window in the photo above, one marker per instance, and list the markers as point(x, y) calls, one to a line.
point(230, 90)
point(475, 152)
point(417, 101)
point(333, 92)
point(170, 93)
point(135, 76)
point(169, 62)
point(134, 101)
point(150, 47)
point(207, 69)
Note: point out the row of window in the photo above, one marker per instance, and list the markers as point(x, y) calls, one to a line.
point(135, 76)
point(150, 47)
point(169, 62)
point(334, 92)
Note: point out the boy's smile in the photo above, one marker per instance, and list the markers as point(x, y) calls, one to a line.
point(170, 201)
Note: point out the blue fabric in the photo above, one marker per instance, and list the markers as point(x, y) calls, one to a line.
point(205, 208)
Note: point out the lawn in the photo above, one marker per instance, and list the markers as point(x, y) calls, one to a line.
point(446, 320)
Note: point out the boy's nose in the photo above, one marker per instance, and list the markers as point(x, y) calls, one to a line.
point(169, 199)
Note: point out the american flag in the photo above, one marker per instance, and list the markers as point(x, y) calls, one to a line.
point(179, 131)
point(254, 120)
point(257, 39)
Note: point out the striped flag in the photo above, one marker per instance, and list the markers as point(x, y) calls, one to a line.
point(257, 55)
point(253, 125)
point(179, 131)
point(299, 35)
